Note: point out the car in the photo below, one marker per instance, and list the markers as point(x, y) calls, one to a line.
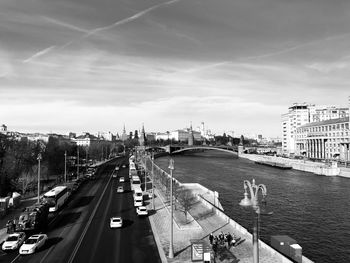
point(114, 175)
point(13, 241)
point(138, 202)
point(116, 222)
point(121, 179)
point(33, 243)
point(120, 189)
point(124, 165)
point(117, 168)
point(141, 211)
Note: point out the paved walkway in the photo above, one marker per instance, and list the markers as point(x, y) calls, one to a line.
point(206, 222)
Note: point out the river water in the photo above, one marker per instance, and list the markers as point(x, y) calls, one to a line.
point(313, 210)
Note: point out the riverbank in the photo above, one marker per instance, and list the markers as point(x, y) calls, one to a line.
point(206, 216)
point(301, 165)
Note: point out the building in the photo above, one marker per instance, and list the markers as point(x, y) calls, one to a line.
point(179, 135)
point(329, 139)
point(124, 136)
point(324, 113)
point(300, 114)
point(3, 129)
point(85, 140)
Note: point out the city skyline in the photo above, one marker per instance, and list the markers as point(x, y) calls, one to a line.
point(236, 66)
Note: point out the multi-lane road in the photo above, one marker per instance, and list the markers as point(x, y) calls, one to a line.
point(81, 233)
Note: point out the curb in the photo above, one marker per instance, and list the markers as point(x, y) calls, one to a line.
point(159, 245)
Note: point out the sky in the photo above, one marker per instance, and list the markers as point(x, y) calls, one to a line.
point(236, 65)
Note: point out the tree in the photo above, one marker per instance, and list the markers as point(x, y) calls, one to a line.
point(186, 200)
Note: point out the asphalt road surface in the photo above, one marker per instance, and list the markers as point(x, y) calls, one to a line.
point(81, 232)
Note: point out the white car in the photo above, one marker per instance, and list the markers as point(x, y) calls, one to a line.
point(33, 243)
point(141, 211)
point(120, 189)
point(138, 203)
point(121, 179)
point(117, 168)
point(116, 222)
point(13, 241)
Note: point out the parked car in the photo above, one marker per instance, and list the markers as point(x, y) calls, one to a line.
point(141, 211)
point(32, 244)
point(13, 241)
point(138, 203)
point(116, 222)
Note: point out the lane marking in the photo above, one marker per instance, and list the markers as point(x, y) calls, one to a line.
point(89, 222)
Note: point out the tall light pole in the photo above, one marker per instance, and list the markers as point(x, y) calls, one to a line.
point(65, 166)
point(153, 207)
point(78, 162)
point(171, 246)
point(254, 203)
point(39, 159)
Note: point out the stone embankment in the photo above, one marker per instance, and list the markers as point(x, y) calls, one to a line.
point(301, 165)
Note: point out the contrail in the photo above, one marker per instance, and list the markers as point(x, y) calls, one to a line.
point(96, 30)
point(63, 24)
point(129, 19)
point(39, 54)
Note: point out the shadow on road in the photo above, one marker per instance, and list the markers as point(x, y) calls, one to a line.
point(82, 201)
point(67, 219)
point(52, 241)
point(127, 223)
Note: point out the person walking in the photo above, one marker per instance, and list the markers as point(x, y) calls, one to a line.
point(211, 238)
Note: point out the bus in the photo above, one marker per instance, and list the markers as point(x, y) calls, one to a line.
point(56, 197)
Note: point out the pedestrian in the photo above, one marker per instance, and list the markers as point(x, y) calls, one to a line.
point(211, 238)
point(215, 248)
point(228, 239)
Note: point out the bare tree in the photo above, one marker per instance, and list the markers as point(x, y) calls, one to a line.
point(186, 199)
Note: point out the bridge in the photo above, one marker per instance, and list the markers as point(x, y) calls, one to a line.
point(177, 149)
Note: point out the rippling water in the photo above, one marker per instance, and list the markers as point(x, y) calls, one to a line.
point(313, 210)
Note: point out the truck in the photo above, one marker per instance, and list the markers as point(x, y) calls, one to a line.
point(33, 219)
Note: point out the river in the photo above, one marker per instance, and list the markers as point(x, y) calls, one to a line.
point(313, 210)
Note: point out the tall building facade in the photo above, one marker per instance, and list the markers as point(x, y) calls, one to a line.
point(328, 139)
point(300, 114)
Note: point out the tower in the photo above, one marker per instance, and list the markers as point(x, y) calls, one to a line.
point(190, 136)
point(142, 138)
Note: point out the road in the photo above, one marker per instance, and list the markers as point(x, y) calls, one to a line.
point(81, 233)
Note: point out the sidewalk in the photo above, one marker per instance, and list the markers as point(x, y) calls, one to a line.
point(205, 221)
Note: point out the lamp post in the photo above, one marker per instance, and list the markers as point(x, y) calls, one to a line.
point(153, 207)
point(39, 159)
point(171, 249)
point(78, 162)
point(65, 166)
point(254, 203)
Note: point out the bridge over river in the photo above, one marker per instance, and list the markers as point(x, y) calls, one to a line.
point(178, 149)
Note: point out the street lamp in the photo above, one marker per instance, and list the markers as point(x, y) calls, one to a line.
point(254, 203)
point(65, 166)
point(78, 162)
point(153, 207)
point(171, 249)
point(39, 159)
